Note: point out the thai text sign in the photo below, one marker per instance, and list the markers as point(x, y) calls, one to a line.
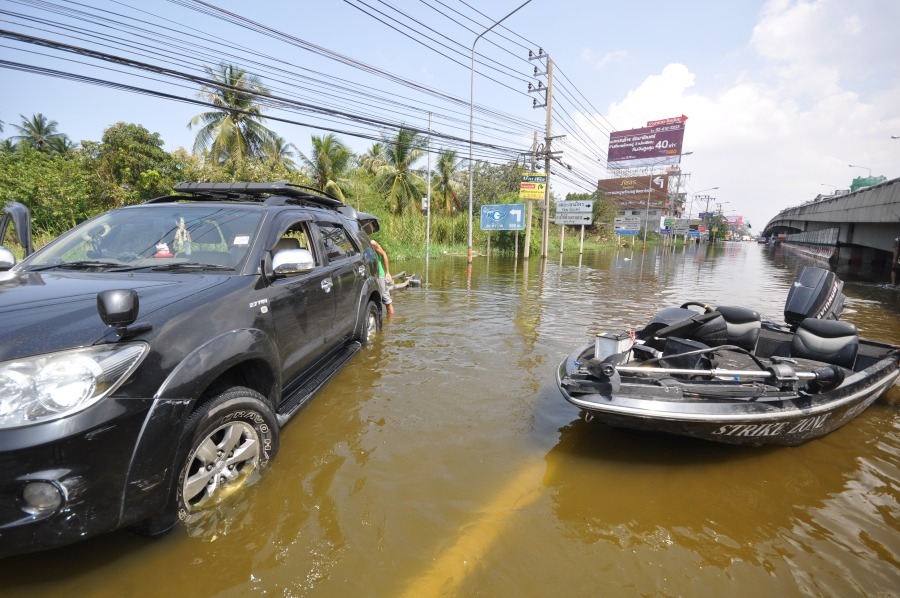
point(532, 185)
point(647, 146)
point(509, 216)
point(633, 192)
point(575, 206)
point(574, 218)
point(627, 225)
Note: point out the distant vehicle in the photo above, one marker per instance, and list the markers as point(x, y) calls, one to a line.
point(150, 356)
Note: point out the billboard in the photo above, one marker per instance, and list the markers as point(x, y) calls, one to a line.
point(658, 143)
point(532, 185)
point(631, 193)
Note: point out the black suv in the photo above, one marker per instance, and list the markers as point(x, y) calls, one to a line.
point(149, 356)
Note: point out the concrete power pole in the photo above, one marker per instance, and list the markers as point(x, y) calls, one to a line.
point(527, 251)
point(548, 102)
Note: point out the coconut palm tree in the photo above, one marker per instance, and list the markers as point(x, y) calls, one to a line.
point(282, 152)
point(373, 160)
point(60, 145)
point(328, 163)
point(235, 130)
point(37, 132)
point(444, 183)
point(402, 186)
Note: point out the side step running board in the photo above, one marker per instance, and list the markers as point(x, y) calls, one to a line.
point(316, 380)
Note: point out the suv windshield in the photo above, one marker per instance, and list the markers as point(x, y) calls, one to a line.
point(153, 237)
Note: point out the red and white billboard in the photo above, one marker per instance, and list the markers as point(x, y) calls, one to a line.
point(659, 144)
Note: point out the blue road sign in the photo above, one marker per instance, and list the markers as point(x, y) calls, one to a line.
point(508, 216)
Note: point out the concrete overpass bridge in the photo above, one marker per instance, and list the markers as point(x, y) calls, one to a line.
point(853, 232)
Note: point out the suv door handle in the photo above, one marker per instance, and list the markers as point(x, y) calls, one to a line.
point(362, 270)
point(327, 284)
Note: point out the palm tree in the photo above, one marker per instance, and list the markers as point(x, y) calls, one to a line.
point(444, 183)
point(281, 152)
point(373, 160)
point(37, 132)
point(235, 131)
point(400, 183)
point(60, 145)
point(328, 163)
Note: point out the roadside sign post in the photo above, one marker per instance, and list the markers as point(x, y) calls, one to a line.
point(508, 216)
point(574, 212)
point(531, 188)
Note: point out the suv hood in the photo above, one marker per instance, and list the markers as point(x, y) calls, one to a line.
point(41, 312)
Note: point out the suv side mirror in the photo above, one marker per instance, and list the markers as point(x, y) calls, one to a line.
point(292, 261)
point(7, 259)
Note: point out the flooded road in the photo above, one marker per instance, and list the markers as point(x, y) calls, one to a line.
point(443, 461)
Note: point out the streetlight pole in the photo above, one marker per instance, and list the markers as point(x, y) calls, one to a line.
point(691, 207)
point(472, 118)
point(866, 167)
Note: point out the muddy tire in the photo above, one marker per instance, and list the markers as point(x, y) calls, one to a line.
point(226, 443)
point(371, 323)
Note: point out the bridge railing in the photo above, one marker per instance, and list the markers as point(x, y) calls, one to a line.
point(825, 236)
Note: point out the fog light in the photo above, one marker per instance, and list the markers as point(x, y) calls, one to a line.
point(39, 498)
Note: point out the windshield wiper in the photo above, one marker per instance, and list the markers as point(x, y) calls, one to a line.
point(190, 266)
point(82, 265)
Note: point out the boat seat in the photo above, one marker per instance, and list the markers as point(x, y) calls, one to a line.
point(828, 341)
point(742, 326)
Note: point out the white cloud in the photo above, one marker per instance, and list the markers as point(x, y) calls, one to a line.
point(598, 62)
point(771, 137)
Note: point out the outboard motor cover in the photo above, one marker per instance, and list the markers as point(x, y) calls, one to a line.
point(816, 293)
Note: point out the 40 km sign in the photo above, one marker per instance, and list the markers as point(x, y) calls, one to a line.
point(508, 216)
point(532, 185)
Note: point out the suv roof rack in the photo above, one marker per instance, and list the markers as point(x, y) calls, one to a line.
point(271, 193)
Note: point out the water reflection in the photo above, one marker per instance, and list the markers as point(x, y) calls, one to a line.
point(443, 458)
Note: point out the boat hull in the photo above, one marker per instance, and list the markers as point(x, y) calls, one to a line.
point(787, 421)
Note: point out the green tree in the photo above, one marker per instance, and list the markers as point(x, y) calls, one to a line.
point(374, 159)
point(605, 212)
point(491, 181)
point(282, 153)
point(131, 165)
point(37, 132)
point(234, 131)
point(59, 190)
point(402, 186)
point(60, 145)
point(327, 164)
point(445, 183)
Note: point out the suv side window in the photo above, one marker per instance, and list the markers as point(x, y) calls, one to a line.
point(338, 244)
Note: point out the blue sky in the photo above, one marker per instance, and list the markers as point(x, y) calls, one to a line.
point(781, 96)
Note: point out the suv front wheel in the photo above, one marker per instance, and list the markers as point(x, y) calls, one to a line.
point(225, 444)
point(371, 323)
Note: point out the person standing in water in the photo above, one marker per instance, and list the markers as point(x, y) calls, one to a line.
point(384, 276)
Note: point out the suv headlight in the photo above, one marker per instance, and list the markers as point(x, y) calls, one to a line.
point(46, 387)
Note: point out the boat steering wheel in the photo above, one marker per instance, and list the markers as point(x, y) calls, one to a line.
point(706, 309)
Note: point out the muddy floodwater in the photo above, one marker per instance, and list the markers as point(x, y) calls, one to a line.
point(443, 461)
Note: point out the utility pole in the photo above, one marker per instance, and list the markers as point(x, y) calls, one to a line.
point(527, 252)
point(548, 103)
